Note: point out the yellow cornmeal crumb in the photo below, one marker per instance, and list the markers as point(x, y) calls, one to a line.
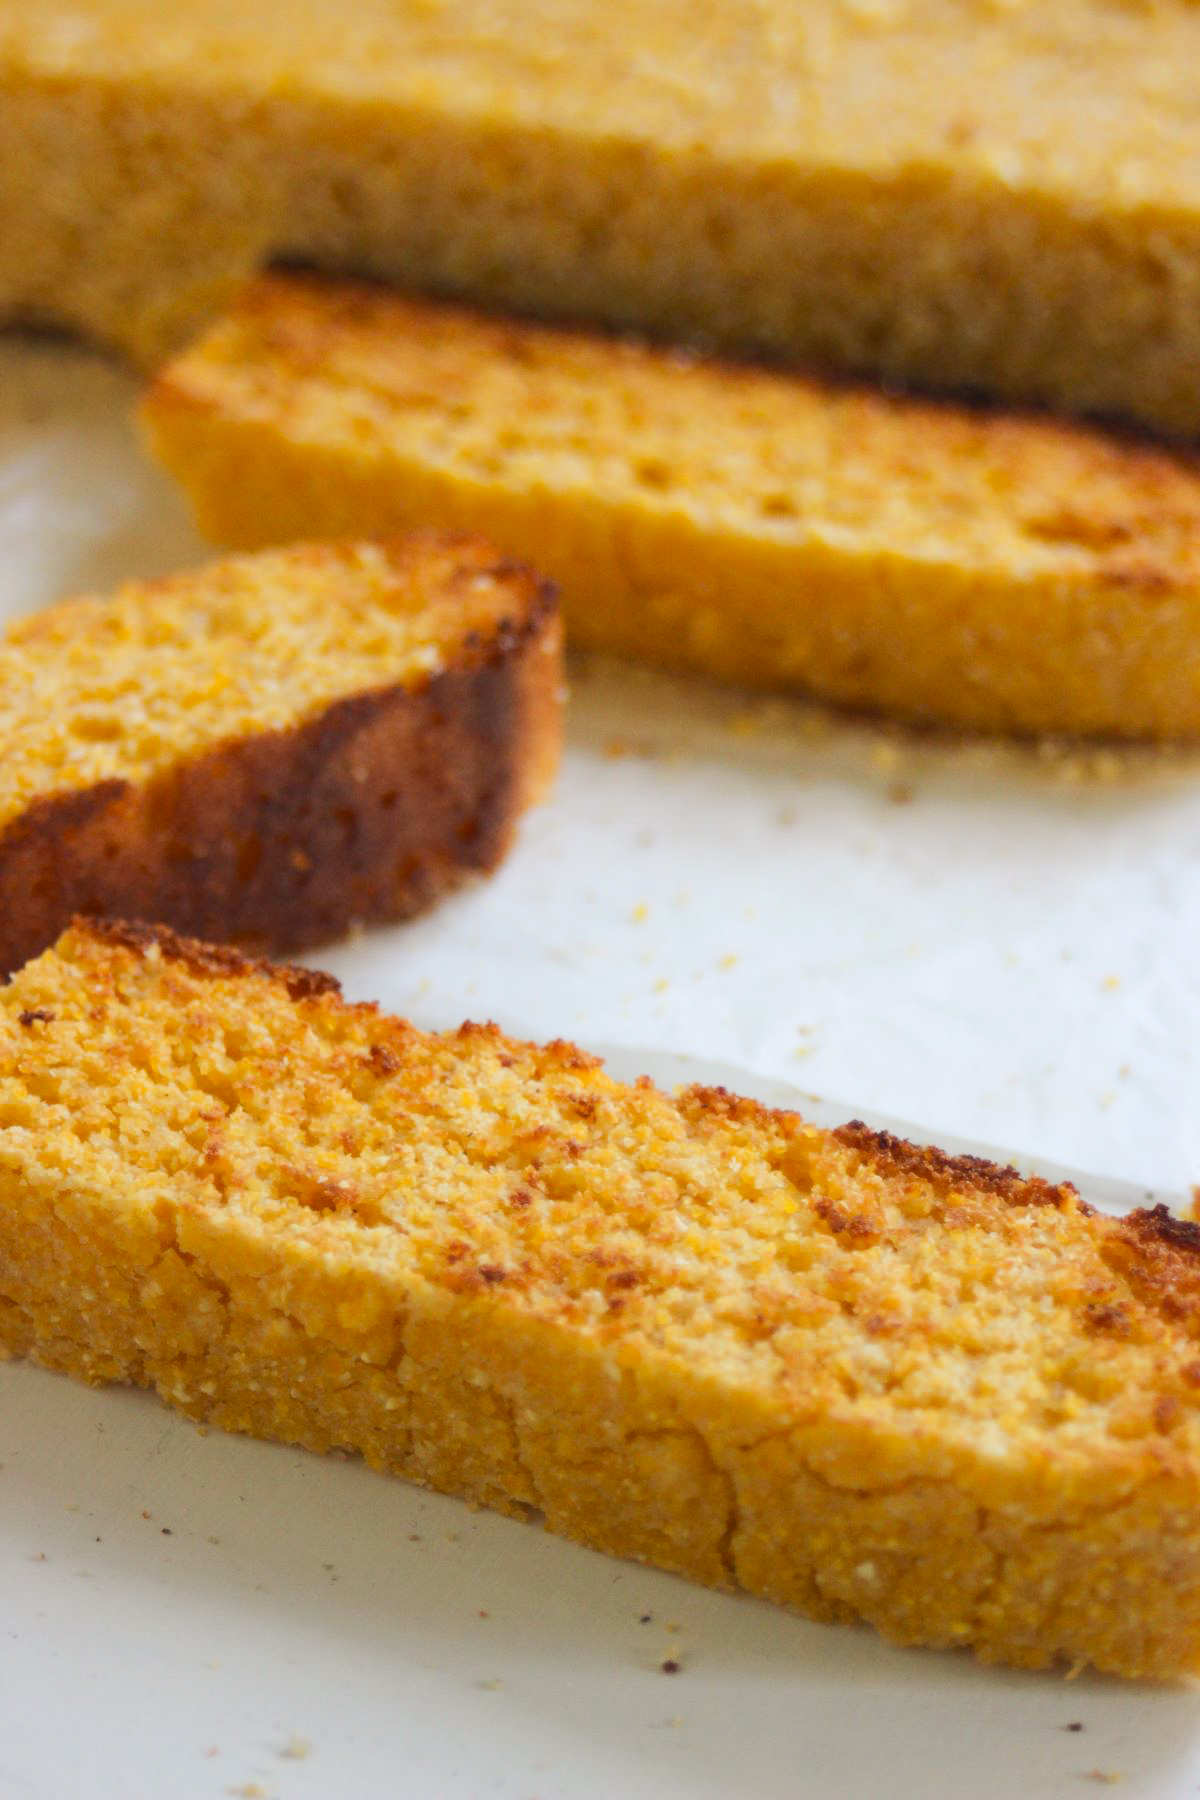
point(120, 688)
point(986, 571)
point(857, 1377)
point(1000, 197)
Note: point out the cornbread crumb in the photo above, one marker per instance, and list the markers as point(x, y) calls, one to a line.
point(951, 567)
point(804, 179)
point(271, 747)
point(864, 1379)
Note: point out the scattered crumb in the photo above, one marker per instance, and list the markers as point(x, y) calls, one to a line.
point(670, 1665)
point(1075, 1725)
point(146, 1515)
point(414, 1537)
point(1111, 983)
point(40, 1556)
point(493, 1685)
point(483, 1614)
point(727, 962)
point(645, 1618)
point(251, 1790)
point(213, 1750)
point(212, 1540)
point(1104, 1777)
point(616, 748)
point(166, 1531)
point(71, 1506)
point(886, 758)
point(640, 913)
point(901, 794)
point(803, 1050)
point(296, 1748)
point(661, 985)
point(450, 1537)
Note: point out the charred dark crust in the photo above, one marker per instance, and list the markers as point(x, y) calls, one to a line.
point(1157, 1225)
point(220, 960)
point(896, 1156)
point(370, 812)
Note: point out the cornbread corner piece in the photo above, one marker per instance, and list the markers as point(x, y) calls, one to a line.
point(986, 571)
point(277, 747)
point(866, 1380)
point(997, 198)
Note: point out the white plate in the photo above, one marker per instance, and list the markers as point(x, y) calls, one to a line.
point(971, 938)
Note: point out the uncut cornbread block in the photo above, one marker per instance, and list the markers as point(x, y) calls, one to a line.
point(981, 570)
point(1004, 198)
point(863, 1379)
point(276, 747)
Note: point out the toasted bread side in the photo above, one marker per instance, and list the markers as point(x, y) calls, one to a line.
point(987, 571)
point(861, 1378)
point(1002, 199)
point(274, 748)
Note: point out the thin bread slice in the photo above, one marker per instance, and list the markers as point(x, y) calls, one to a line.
point(997, 197)
point(864, 1379)
point(975, 570)
point(274, 748)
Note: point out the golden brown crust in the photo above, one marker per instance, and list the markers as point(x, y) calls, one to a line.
point(201, 957)
point(370, 811)
point(893, 1155)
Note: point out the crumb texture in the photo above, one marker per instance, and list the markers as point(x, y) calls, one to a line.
point(273, 746)
point(860, 1378)
point(973, 569)
point(1000, 198)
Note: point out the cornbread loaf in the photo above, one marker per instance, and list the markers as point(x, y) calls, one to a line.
point(273, 748)
point(965, 569)
point(999, 197)
point(867, 1380)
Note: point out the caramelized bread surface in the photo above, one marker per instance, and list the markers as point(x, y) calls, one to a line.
point(858, 1377)
point(993, 571)
point(276, 747)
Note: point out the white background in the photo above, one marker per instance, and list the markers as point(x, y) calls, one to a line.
point(999, 944)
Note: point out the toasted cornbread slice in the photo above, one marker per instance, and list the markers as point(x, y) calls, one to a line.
point(1001, 197)
point(975, 570)
point(864, 1379)
point(273, 748)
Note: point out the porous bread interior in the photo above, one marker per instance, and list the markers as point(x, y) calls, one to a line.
point(978, 570)
point(730, 445)
point(954, 191)
point(866, 1380)
point(743, 1241)
point(126, 686)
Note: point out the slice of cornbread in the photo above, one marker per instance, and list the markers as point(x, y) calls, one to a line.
point(967, 569)
point(1003, 197)
point(273, 748)
point(861, 1378)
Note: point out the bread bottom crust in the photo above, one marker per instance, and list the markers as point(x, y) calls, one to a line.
point(372, 811)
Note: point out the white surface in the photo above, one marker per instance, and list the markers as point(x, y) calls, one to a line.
point(970, 937)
